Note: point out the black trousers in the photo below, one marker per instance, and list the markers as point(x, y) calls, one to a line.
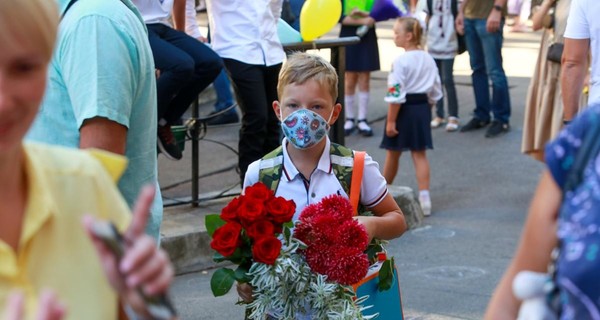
point(187, 66)
point(256, 88)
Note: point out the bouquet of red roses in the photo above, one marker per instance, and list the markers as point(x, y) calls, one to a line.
point(246, 232)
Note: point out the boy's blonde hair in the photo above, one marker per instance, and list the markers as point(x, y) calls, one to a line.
point(301, 67)
point(412, 25)
point(33, 22)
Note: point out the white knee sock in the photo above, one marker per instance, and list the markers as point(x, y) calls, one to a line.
point(349, 106)
point(363, 105)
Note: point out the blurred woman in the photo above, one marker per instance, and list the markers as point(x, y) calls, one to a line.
point(46, 191)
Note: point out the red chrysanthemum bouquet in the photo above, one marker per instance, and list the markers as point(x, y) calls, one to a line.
point(245, 232)
point(335, 242)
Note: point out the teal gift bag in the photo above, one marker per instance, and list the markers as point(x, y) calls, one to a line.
point(387, 303)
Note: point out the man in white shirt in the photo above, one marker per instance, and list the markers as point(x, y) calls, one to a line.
point(244, 34)
point(581, 36)
point(186, 66)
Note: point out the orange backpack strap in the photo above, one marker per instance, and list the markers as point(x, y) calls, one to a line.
point(357, 174)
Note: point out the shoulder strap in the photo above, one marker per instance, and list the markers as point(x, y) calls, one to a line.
point(357, 174)
point(429, 7)
point(270, 168)
point(341, 163)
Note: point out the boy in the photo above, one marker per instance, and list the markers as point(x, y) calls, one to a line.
point(307, 91)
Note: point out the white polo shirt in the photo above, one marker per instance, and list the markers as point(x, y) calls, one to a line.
point(582, 24)
point(246, 30)
point(155, 11)
point(322, 182)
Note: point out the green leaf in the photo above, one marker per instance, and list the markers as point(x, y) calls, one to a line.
point(213, 222)
point(217, 257)
point(222, 281)
point(241, 274)
point(386, 275)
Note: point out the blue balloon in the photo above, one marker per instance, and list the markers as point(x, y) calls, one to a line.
point(286, 33)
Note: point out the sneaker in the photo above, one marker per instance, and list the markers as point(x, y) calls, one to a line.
point(452, 124)
point(425, 205)
point(226, 118)
point(437, 122)
point(349, 126)
point(167, 144)
point(496, 129)
point(474, 124)
point(364, 129)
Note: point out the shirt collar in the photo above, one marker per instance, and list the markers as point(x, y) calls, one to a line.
point(40, 206)
point(289, 169)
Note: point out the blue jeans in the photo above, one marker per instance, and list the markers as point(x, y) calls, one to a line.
point(486, 62)
point(223, 89)
point(446, 71)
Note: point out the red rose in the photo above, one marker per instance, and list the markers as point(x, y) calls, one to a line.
point(251, 210)
point(259, 229)
point(259, 191)
point(230, 212)
point(266, 250)
point(281, 210)
point(227, 238)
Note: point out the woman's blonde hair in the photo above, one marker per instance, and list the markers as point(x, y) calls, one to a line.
point(301, 67)
point(33, 22)
point(412, 25)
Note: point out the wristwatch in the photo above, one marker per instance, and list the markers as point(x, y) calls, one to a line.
point(498, 7)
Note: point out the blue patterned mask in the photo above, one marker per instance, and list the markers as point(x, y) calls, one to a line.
point(304, 128)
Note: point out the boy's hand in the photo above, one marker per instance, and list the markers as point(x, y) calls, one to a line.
point(369, 225)
point(390, 129)
point(143, 265)
point(49, 307)
point(245, 292)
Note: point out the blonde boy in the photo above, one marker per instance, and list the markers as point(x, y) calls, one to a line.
point(307, 107)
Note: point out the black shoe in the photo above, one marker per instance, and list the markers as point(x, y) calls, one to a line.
point(474, 124)
point(496, 129)
point(347, 128)
point(167, 144)
point(226, 118)
point(365, 131)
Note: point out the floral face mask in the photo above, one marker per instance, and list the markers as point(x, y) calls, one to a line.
point(304, 128)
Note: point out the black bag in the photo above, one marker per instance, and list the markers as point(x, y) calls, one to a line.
point(555, 52)
point(462, 44)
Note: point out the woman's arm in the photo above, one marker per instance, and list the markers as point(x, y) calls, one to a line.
point(358, 18)
point(540, 13)
point(533, 253)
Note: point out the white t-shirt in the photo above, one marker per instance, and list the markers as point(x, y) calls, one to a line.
point(413, 72)
point(246, 30)
point(583, 23)
point(155, 11)
point(323, 182)
point(441, 35)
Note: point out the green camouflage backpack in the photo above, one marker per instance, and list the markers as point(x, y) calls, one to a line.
point(342, 161)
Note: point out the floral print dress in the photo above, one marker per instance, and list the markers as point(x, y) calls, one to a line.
point(578, 275)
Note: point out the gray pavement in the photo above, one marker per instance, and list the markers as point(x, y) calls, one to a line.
point(480, 188)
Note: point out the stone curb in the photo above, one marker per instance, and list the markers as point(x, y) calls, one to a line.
point(188, 244)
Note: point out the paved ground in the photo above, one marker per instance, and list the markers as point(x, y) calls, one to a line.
point(480, 188)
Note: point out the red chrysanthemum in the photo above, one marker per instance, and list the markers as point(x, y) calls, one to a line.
point(335, 241)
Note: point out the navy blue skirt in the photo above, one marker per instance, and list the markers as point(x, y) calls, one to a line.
point(363, 56)
point(413, 125)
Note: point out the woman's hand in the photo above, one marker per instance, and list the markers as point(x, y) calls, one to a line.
point(369, 225)
point(49, 308)
point(390, 129)
point(143, 264)
point(245, 292)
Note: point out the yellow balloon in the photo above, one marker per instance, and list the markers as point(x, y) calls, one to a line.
point(318, 17)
